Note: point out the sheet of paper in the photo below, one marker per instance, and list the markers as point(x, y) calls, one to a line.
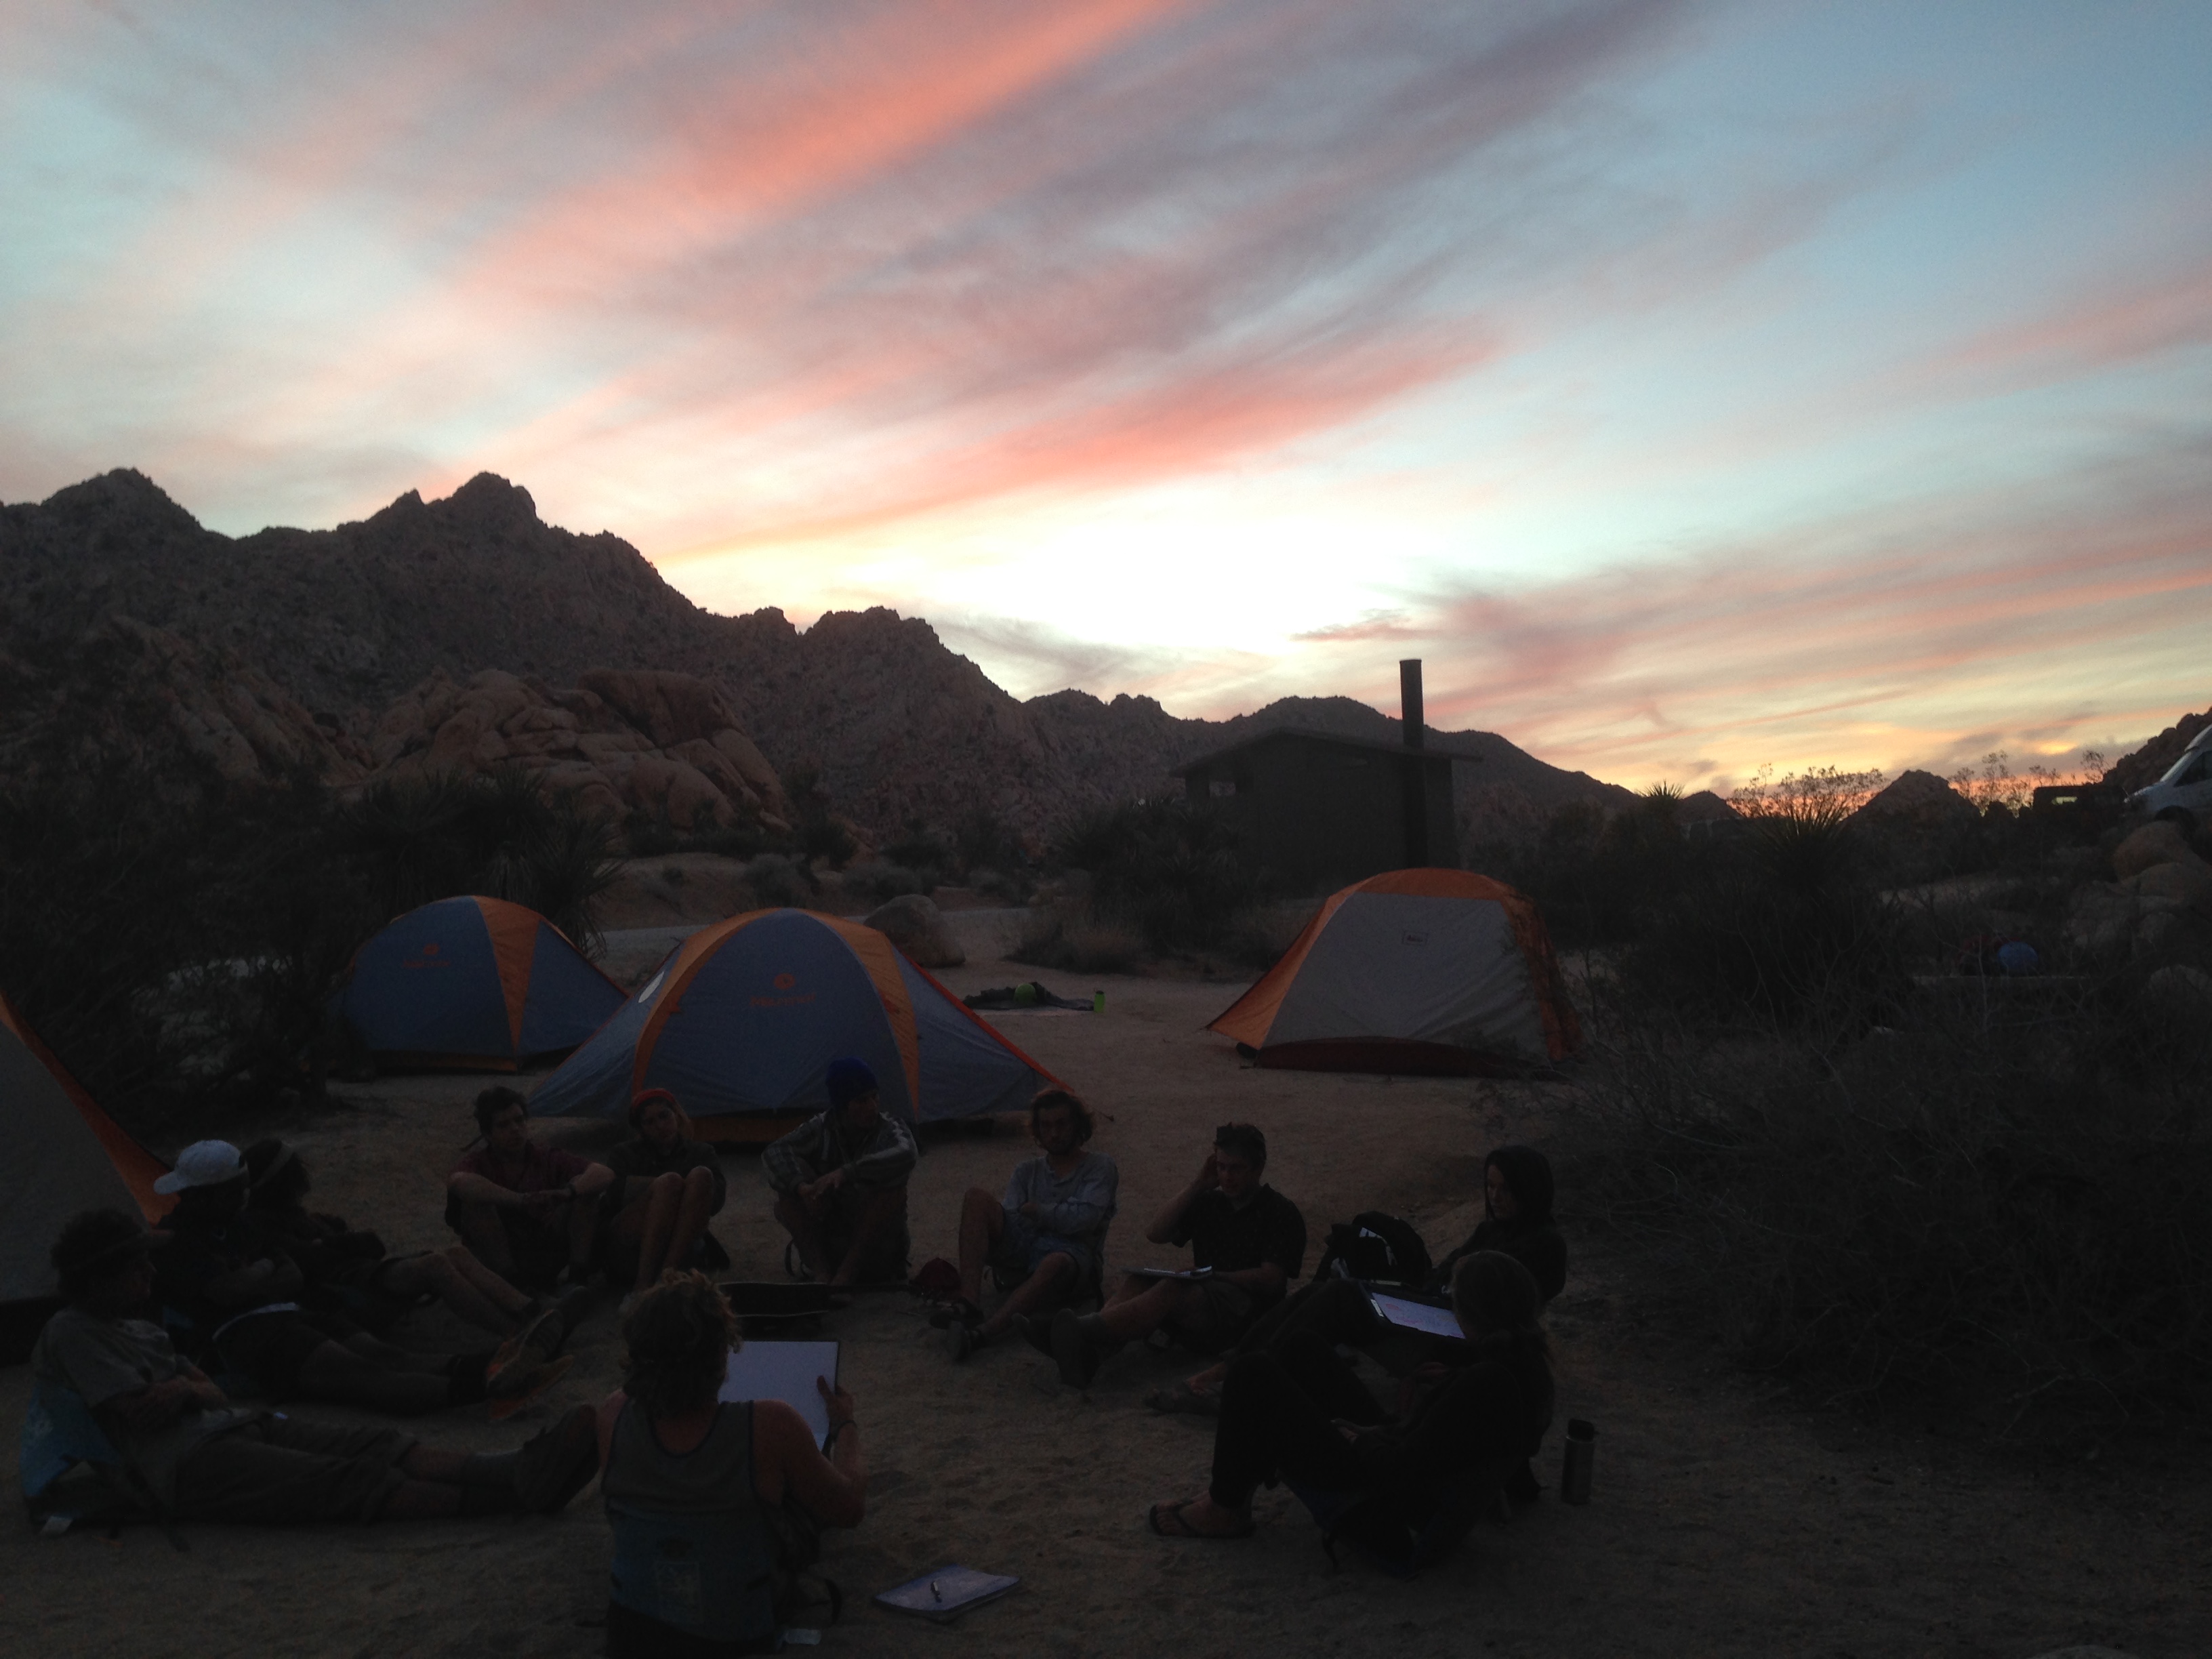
point(1415, 1316)
point(1168, 1272)
point(785, 1371)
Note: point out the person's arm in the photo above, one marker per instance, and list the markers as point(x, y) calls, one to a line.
point(887, 1159)
point(160, 1404)
point(593, 1178)
point(834, 1489)
point(468, 1185)
point(1088, 1207)
point(272, 1278)
point(1169, 1222)
point(791, 1162)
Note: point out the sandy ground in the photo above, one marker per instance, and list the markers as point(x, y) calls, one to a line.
point(1724, 1522)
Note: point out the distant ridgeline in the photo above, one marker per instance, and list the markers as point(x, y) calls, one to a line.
point(466, 633)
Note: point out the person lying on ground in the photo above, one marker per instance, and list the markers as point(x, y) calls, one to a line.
point(1517, 1222)
point(348, 1272)
point(668, 1184)
point(189, 1453)
point(1045, 1240)
point(233, 1295)
point(1299, 1414)
point(840, 1180)
point(711, 1502)
point(1251, 1238)
point(527, 1212)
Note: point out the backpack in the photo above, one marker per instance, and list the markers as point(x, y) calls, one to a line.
point(1375, 1246)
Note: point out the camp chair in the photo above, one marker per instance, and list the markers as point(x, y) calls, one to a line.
point(1339, 1514)
point(72, 1472)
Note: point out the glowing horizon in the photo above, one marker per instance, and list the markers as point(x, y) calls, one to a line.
point(1694, 387)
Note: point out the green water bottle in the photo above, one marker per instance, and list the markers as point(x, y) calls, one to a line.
point(1097, 1002)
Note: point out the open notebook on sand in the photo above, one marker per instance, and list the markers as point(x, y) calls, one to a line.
point(947, 1593)
point(785, 1371)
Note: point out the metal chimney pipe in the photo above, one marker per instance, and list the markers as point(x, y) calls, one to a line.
point(1409, 700)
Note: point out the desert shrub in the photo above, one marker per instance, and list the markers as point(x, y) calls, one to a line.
point(982, 840)
point(1173, 873)
point(1998, 1224)
point(820, 833)
point(1053, 938)
point(776, 880)
point(876, 880)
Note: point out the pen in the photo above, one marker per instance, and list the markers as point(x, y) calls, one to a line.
point(935, 1595)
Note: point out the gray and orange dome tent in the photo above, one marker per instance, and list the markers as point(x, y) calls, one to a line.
point(65, 1155)
point(1412, 972)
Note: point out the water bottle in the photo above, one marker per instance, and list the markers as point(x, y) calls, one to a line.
point(1098, 1002)
point(1581, 1452)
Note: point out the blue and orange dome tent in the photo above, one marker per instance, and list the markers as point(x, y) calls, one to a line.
point(474, 983)
point(742, 1020)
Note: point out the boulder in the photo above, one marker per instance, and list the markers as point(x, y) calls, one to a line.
point(917, 927)
point(2153, 845)
point(2106, 921)
point(2189, 884)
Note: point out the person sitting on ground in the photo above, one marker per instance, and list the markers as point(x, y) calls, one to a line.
point(1517, 1222)
point(668, 1184)
point(840, 1180)
point(1299, 1414)
point(700, 1491)
point(1045, 1241)
point(348, 1271)
point(1249, 1240)
point(527, 1212)
point(235, 1295)
point(188, 1453)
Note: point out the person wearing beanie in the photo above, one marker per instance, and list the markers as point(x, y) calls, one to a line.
point(236, 1293)
point(189, 1453)
point(840, 1180)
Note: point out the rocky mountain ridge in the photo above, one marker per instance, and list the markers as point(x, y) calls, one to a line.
point(324, 632)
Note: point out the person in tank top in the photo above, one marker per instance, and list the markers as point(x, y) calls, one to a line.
point(694, 1485)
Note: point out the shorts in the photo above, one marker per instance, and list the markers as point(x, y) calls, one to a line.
point(888, 1259)
point(539, 1244)
point(1224, 1313)
point(1021, 1248)
point(271, 1348)
point(282, 1471)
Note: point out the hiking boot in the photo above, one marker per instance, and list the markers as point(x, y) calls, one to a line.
point(518, 1390)
point(962, 1340)
point(554, 1465)
point(534, 1344)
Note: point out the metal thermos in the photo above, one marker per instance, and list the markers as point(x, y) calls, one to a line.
point(1581, 1452)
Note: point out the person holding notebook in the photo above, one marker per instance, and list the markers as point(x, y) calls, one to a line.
point(1044, 1240)
point(1248, 1241)
point(714, 1503)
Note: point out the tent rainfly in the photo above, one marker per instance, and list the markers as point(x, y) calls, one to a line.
point(1414, 972)
point(65, 1155)
point(742, 1020)
point(474, 983)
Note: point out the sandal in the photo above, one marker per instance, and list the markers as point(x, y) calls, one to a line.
point(1167, 1520)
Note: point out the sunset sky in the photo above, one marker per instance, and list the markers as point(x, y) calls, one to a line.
point(1693, 386)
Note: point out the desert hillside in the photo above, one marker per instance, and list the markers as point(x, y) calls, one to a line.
point(293, 644)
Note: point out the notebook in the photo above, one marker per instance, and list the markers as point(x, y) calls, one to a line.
point(785, 1371)
point(1415, 1316)
point(945, 1594)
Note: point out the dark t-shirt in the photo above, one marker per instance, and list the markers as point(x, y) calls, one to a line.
point(1227, 1239)
point(539, 1169)
point(196, 1255)
point(638, 1159)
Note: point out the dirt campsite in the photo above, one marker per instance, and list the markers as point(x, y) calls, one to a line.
point(1725, 1518)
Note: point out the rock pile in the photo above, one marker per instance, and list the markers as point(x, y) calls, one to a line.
point(2162, 899)
point(622, 741)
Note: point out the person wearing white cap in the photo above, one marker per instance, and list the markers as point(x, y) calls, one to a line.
point(234, 1295)
point(189, 1453)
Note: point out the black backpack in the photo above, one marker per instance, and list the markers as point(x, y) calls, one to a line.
point(1376, 1246)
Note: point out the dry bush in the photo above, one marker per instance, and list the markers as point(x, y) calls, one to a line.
point(1995, 1222)
point(1065, 936)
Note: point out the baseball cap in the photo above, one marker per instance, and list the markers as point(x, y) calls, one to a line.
point(203, 1163)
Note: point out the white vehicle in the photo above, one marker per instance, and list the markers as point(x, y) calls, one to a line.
point(2184, 795)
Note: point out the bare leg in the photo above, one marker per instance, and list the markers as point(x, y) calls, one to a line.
point(439, 1275)
point(803, 1221)
point(583, 1234)
point(983, 1224)
point(879, 1215)
point(695, 1208)
point(389, 1356)
point(336, 1372)
point(624, 1253)
point(663, 1198)
point(486, 1283)
point(484, 1232)
point(1130, 1317)
point(1051, 1277)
